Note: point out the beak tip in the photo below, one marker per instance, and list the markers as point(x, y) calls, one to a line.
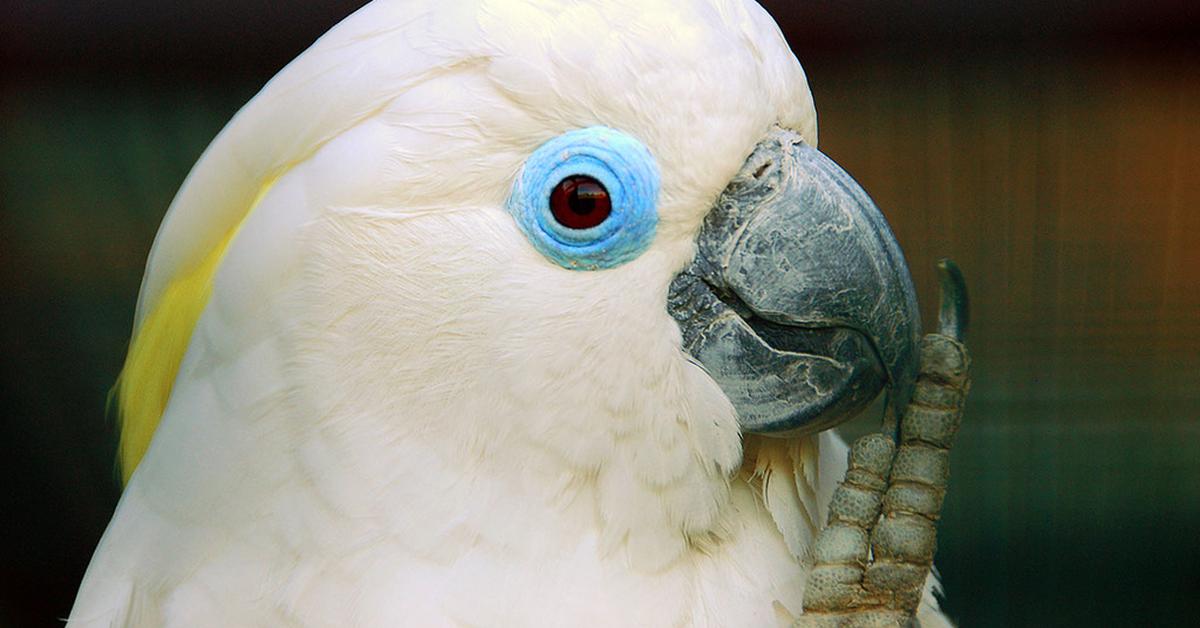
point(801, 246)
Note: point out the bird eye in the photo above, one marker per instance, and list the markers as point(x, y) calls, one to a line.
point(580, 202)
point(588, 199)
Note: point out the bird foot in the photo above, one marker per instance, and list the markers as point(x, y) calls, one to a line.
point(873, 557)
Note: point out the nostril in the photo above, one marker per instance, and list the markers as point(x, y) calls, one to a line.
point(760, 171)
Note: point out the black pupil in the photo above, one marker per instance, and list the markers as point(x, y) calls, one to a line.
point(580, 202)
point(585, 196)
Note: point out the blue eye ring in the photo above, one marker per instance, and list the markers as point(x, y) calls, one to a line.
point(620, 163)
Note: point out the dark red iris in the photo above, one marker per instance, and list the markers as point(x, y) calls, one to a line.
point(580, 202)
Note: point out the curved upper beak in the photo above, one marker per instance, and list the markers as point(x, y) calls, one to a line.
point(798, 303)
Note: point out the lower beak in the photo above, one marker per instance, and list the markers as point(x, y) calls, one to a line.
point(798, 303)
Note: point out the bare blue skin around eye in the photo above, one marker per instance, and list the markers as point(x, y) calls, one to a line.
point(622, 165)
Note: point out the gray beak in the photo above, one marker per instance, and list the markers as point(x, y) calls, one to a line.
point(798, 303)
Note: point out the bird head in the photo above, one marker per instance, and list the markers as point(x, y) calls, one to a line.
point(594, 241)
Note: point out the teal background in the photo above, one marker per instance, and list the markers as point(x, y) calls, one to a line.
point(1051, 150)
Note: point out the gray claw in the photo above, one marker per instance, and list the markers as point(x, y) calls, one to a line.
point(892, 501)
point(954, 312)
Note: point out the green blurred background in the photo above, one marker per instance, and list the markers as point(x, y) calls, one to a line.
point(1053, 150)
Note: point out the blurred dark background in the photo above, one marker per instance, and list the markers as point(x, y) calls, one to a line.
point(1052, 149)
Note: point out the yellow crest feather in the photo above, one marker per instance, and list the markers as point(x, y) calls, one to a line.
point(157, 349)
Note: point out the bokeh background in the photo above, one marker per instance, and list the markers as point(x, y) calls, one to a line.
point(1053, 149)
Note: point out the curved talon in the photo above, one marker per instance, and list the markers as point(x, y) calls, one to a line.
point(893, 502)
point(954, 311)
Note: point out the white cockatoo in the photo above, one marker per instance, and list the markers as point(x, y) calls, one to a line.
point(503, 313)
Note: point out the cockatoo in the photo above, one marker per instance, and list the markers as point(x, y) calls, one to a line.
point(503, 313)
